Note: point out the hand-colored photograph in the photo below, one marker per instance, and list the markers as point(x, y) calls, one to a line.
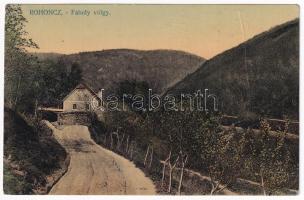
point(151, 99)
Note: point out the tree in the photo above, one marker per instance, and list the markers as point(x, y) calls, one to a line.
point(168, 131)
point(220, 154)
point(75, 75)
point(179, 129)
point(128, 89)
point(17, 61)
point(273, 162)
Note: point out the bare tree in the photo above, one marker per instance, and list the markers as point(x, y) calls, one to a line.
point(111, 140)
point(164, 168)
point(171, 168)
point(120, 140)
point(132, 148)
point(146, 156)
point(183, 160)
point(127, 144)
point(105, 139)
point(216, 185)
point(151, 157)
point(262, 183)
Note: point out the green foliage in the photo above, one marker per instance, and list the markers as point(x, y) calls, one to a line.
point(14, 184)
point(268, 159)
point(75, 76)
point(53, 82)
point(127, 123)
point(274, 160)
point(97, 129)
point(224, 156)
point(36, 155)
point(17, 61)
point(28, 81)
point(130, 91)
point(232, 154)
point(16, 39)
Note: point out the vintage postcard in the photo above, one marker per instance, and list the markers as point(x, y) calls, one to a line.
point(151, 99)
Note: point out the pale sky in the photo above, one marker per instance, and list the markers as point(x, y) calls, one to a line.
point(204, 30)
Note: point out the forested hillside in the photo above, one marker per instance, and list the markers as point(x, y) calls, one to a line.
point(259, 77)
point(106, 68)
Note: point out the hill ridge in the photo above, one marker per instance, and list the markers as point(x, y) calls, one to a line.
point(161, 68)
point(272, 58)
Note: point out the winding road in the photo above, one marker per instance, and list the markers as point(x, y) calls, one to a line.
point(96, 170)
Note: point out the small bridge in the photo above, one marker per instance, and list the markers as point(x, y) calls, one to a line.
point(69, 117)
point(56, 110)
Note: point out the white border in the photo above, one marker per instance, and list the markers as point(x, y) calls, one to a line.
point(64, 197)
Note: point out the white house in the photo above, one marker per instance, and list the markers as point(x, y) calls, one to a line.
point(82, 98)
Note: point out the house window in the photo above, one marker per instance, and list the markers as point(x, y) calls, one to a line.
point(74, 106)
point(87, 106)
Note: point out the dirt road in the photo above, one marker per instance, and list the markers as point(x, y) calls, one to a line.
point(96, 170)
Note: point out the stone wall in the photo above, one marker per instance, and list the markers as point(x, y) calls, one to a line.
point(74, 118)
